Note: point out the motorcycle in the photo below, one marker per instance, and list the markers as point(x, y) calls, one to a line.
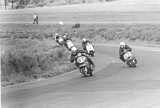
point(84, 65)
point(90, 49)
point(130, 59)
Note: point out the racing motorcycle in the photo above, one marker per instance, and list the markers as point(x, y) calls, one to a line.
point(130, 59)
point(90, 49)
point(84, 65)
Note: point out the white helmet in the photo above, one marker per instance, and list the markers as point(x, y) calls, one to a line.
point(84, 39)
point(73, 49)
point(122, 44)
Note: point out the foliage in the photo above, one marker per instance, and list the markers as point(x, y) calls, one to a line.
point(25, 60)
point(41, 3)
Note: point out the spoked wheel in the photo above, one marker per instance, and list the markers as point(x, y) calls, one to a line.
point(82, 70)
point(131, 64)
point(86, 72)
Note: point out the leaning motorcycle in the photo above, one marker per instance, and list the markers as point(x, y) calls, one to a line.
point(90, 49)
point(83, 65)
point(130, 59)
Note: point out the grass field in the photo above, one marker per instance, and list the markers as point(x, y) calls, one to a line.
point(48, 17)
point(142, 32)
point(116, 11)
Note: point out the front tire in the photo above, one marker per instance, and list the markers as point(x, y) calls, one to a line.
point(130, 63)
point(82, 70)
point(86, 72)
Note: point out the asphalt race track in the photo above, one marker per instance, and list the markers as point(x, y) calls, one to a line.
point(113, 85)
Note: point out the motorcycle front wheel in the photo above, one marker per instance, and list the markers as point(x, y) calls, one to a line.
point(83, 71)
point(130, 63)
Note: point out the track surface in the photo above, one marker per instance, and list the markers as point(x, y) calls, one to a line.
point(113, 85)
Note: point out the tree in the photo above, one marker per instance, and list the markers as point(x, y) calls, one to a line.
point(19, 3)
point(5, 3)
point(12, 1)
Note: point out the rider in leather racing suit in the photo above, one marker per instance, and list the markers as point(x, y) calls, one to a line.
point(122, 49)
point(84, 42)
point(67, 38)
point(57, 37)
point(74, 53)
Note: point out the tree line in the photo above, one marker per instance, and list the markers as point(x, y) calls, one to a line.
point(15, 4)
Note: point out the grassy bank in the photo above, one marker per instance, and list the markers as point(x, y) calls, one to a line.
point(29, 59)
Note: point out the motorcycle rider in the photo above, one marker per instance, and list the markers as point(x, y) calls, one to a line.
point(75, 51)
point(122, 50)
point(84, 43)
point(68, 41)
point(59, 39)
point(35, 19)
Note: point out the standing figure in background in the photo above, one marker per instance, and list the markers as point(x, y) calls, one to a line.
point(35, 19)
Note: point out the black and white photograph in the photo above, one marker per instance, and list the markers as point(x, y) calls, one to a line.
point(80, 53)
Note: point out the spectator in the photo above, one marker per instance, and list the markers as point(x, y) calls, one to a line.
point(35, 19)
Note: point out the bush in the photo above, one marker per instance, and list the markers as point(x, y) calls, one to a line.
point(28, 60)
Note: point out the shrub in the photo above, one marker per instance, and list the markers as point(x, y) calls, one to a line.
point(30, 59)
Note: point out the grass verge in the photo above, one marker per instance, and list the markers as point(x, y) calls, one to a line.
point(29, 59)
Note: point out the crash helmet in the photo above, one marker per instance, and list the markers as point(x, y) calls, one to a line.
point(84, 40)
point(74, 50)
point(122, 44)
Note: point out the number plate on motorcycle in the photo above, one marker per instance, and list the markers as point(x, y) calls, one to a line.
point(81, 59)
